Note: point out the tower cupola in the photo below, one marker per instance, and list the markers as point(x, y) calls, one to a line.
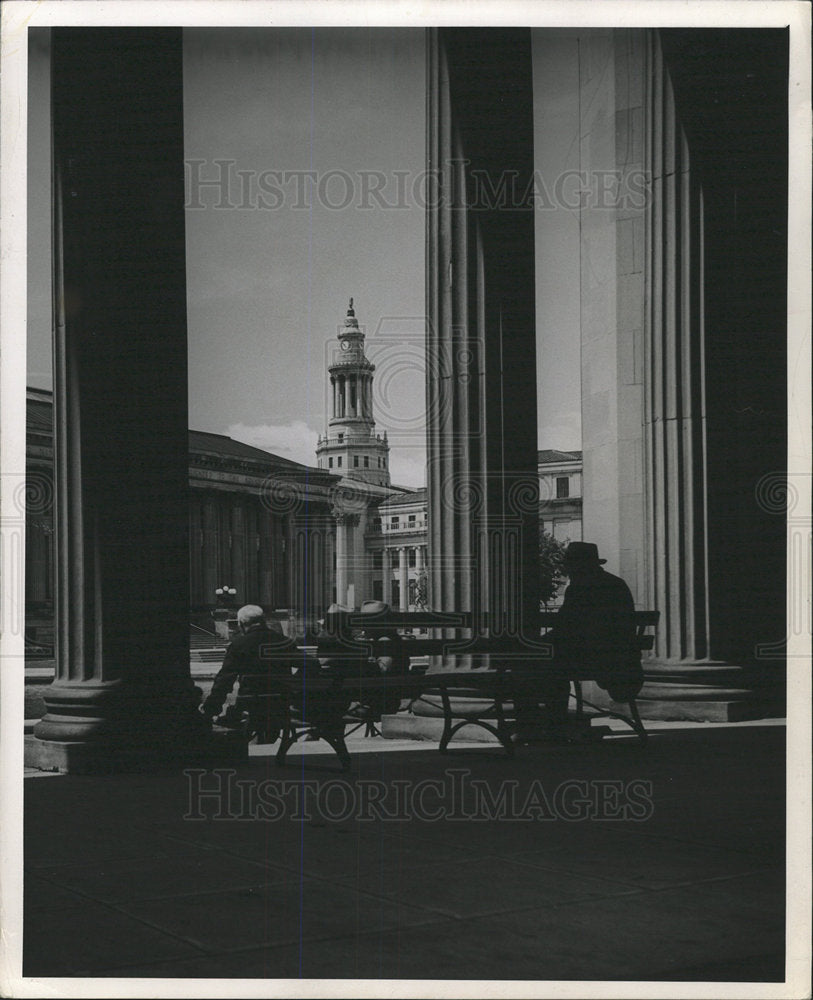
point(350, 446)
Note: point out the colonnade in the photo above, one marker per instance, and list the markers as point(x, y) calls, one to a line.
point(352, 395)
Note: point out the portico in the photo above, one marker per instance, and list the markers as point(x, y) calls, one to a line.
point(683, 371)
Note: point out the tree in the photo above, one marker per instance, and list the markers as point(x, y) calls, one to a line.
point(551, 557)
point(421, 591)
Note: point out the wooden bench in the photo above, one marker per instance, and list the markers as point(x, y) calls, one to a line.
point(268, 716)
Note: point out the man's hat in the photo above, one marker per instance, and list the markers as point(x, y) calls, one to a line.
point(374, 607)
point(583, 552)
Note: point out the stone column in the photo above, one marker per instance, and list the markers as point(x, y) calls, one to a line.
point(211, 544)
point(403, 566)
point(387, 574)
point(196, 595)
point(267, 556)
point(360, 577)
point(482, 480)
point(683, 669)
point(341, 558)
point(122, 694)
point(649, 487)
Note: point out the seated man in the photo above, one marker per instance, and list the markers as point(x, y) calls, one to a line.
point(334, 658)
point(595, 629)
point(389, 659)
point(256, 655)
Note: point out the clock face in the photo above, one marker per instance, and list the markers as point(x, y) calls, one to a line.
point(345, 345)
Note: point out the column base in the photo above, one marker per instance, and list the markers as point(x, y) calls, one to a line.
point(215, 749)
point(700, 691)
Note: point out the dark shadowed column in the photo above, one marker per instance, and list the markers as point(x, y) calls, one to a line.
point(481, 381)
point(122, 695)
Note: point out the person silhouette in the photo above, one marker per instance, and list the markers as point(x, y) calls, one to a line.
point(594, 629)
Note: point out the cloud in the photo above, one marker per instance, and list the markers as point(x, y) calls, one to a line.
point(407, 470)
point(564, 435)
point(296, 441)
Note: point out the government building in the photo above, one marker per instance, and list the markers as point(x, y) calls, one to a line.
point(682, 324)
point(287, 536)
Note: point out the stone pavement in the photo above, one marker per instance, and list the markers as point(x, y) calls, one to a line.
point(608, 862)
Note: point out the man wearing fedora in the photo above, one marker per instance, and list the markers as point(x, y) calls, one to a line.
point(389, 657)
point(595, 627)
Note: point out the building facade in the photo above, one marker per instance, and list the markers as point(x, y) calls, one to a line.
point(560, 494)
point(258, 523)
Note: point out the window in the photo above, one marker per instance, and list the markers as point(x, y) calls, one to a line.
point(396, 593)
point(412, 555)
point(330, 463)
point(395, 520)
point(378, 590)
point(562, 487)
point(339, 461)
point(366, 461)
point(378, 560)
point(395, 558)
point(412, 518)
point(413, 591)
point(341, 438)
point(355, 461)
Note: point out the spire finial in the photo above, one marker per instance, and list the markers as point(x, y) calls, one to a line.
point(350, 311)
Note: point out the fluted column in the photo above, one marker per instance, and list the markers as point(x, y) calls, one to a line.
point(122, 695)
point(341, 558)
point(403, 567)
point(210, 545)
point(683, 669)
point(481, 329)
point(386, 575)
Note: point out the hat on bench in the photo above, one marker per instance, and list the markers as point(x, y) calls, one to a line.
point(374, 607)
point(584, 553)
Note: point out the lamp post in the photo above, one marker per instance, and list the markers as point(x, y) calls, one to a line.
point(225, 596)
point(224, 610)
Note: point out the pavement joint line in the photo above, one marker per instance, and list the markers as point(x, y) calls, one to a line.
point(574, 874)
point(671, 839)
point(295, 940)
point(121, 911)
point(278, 945)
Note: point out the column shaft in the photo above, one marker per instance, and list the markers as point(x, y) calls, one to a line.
point(122, 688)
point(403, 566)
point(386, 575)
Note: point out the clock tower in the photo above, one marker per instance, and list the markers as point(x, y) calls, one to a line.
point(351, 446)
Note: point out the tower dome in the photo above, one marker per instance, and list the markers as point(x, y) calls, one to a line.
point(350, 446)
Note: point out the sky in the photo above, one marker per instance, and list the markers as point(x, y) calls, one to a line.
point(305, 153)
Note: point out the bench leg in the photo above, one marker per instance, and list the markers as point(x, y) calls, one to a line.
point(638, 726)
point(501, 730)
point(336, 741)
point(286, 742)
point(577, 690)
point(447, 720)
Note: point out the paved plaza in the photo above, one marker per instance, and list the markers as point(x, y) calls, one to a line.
point(675, 873)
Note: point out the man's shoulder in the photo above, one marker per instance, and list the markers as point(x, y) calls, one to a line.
point(261, 637)
point(617, 586)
